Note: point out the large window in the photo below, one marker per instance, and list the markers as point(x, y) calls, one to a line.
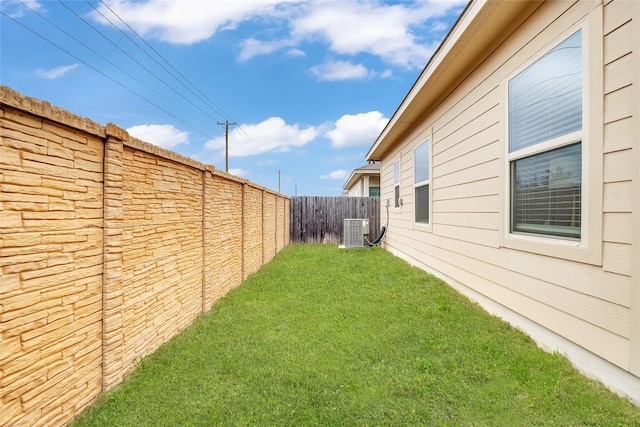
point(421, 182)
point(396, 183)
point(545, 142)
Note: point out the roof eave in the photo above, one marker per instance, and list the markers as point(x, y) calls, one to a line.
point(351, 180)
point(356, 174)
point(481, 23)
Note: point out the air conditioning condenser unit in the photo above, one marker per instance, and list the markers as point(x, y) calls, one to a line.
point(354, 232)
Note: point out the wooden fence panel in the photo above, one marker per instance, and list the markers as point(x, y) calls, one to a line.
point(321, 219)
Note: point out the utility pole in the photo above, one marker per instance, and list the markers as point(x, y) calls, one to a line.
point(278, 181)
point(226, 124)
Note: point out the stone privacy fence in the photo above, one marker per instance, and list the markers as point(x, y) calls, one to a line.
point(109, 246)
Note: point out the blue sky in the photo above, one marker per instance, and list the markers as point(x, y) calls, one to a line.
point(310, 84)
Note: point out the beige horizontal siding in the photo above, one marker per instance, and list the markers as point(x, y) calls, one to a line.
point(616, 14)
point(480, 236)
point(618, 134)
point(617, 196)
point(490, 203)
point(581, 327)
point(618, 105)
point(618, 74)
point(489, 150)
point(487, 133)
point(618, 43)
point(617, 227)
point(468, 123)
point(617, 258)
point(586, 303)
point(489, 168)
point(581, 278)
point(485, 220)
point(618, 164)
point(608, 315)
point(475, 189)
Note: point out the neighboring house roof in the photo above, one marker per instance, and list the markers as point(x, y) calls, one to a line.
point(371, 169)
point(480, 29)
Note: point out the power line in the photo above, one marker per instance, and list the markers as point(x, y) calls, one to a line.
point(93, 50)
point(102, 73)
point(133, 59)
point(189, 86)
point(201, 95)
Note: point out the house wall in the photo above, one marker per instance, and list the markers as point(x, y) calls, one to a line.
point(361, 187)
point(356, 190)
point(571, 301)
point(109, 246)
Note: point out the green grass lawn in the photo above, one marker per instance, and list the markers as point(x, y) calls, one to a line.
point(329, 337)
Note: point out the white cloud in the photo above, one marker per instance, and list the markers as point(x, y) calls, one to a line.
point(56, 73)
point(439, 26)
point(345, 70)
point(340, 70)
point(186, 21)
point(359, 129)
point(368, 26)
point(294, 52)
point(396, 33)
point(337, 174)
point(270, 135)
point(253, 47)
point(17, 9)
point(165, 136)
point(239, 172)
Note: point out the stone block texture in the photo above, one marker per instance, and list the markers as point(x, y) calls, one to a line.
point(269, 229)
point(223, 236)
point(252, 228)
point(109, 246)
point(162, 251)
point(51, 252)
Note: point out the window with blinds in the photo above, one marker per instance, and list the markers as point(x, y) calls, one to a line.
point(545, 142)
point(421, 182)
point(396, 183)
point(547, 192)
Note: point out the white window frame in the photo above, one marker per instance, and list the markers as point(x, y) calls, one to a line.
point(422, 183)
point(397, 179)
point(588, 248)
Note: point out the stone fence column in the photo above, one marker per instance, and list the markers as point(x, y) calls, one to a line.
point(112, 290)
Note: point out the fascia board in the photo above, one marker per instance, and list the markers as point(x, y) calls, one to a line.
point(479, 25)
